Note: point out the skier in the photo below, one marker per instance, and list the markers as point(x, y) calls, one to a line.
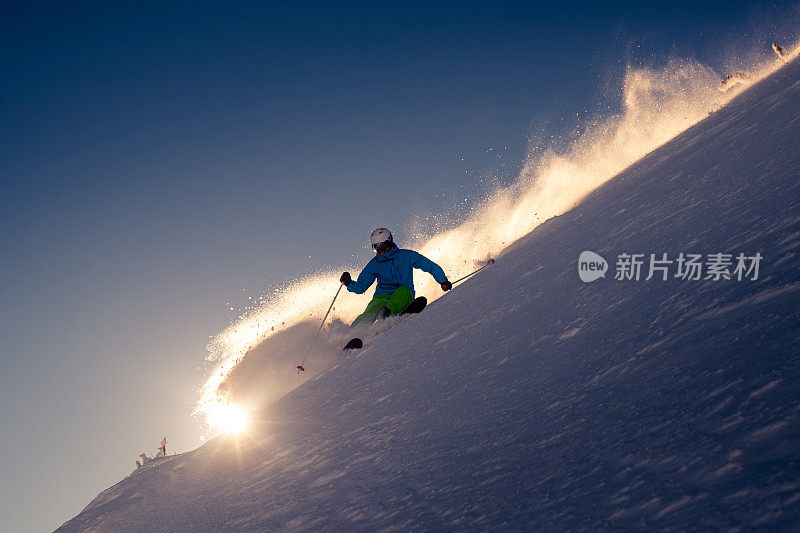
point(393, 268)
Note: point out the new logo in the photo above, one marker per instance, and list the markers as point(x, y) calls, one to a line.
point(591, 266)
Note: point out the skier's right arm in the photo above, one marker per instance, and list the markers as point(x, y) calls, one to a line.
point(364, 281)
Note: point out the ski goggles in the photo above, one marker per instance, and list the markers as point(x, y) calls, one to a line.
point(382, 246)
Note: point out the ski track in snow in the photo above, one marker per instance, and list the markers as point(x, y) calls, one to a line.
point(526, 399)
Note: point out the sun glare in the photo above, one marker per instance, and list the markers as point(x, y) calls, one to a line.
point(228, 418)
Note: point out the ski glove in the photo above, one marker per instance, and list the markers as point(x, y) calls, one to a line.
point(446, 286)
point(346, 279)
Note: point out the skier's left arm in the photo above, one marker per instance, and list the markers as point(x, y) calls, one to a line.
point(426, 265)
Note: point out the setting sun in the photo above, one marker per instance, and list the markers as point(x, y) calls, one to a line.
point(228, 418)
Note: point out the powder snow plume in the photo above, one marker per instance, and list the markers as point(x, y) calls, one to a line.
point(657, 104)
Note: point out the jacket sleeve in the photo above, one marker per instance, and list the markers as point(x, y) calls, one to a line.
point(365, 279)
point(426, 265)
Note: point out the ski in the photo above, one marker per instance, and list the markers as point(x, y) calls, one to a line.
point(416, 306)
point(354, 344)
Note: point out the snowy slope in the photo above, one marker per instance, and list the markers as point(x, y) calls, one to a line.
point(526, 399)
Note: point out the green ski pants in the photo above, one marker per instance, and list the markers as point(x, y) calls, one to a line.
point(396, 302)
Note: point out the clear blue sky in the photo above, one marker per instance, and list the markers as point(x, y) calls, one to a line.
point(156, 160)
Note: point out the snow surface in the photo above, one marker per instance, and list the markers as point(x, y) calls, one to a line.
point(526, 399)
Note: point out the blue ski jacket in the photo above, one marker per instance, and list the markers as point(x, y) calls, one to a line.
point(395, 268)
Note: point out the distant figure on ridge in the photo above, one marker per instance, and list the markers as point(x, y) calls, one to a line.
point(393, 267)
point(162, 450)
point(143, 459)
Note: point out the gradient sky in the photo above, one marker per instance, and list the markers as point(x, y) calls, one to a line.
point(160, 160)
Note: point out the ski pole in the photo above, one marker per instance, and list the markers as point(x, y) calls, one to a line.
point(300, 366)
point(489, 262)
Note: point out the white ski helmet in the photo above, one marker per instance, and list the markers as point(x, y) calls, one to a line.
point(381, 239)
